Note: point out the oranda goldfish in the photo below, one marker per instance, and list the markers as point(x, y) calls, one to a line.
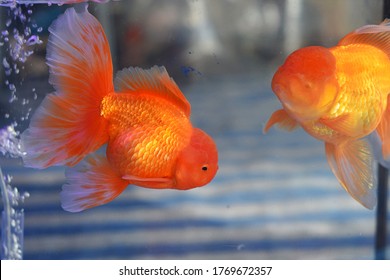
point(145, 122)
point(340, 95)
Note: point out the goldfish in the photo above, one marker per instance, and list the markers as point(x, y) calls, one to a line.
point(340, 95)
point(142, 117)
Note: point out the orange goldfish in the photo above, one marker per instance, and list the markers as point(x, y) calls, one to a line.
point(145, 122)
point(340, 95)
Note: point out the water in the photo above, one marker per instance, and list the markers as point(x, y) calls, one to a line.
point(13, 214)
point(274, 196)
point(18, 42)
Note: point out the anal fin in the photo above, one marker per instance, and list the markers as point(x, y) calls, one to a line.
point(352, 164)
point(91, 183)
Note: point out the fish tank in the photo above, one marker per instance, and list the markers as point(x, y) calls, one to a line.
point(274, 195)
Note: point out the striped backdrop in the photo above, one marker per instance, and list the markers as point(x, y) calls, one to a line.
point(274, 197)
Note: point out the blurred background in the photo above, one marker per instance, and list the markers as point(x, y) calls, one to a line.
point(274, 196)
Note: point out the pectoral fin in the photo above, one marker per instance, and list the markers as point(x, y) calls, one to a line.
point(344, 124)
point(282, 120)
point(352, 164)
point(153, 183)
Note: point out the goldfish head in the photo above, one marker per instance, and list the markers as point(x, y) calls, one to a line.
point(197, 163)
point(306, 83)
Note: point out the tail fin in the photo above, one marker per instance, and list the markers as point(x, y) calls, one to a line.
point(68, 124)
point(352, 164)
point(91, 183)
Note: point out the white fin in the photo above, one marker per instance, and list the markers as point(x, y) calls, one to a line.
point(91, 183)
point(353, 166)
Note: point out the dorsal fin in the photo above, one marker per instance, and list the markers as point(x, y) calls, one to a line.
point(374, 35)
point(155, 81)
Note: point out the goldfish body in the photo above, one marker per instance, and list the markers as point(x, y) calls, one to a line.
point(340, 95)
point(145, 122)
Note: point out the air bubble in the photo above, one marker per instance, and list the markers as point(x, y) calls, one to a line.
point(5, 63)
point(33, 40)
point(12, 87)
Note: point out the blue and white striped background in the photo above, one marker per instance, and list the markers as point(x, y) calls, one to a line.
point(274, 197)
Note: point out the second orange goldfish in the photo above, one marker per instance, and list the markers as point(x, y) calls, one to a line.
point(340, 95)
point(146, 122)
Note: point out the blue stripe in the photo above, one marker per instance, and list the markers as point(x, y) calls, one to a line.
point(248, 221)
point(254, 196)
point(156, 250)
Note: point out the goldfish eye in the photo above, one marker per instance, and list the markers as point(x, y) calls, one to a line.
point(204, 167)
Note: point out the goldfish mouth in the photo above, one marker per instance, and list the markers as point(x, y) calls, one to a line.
point(284, 98)
point(281, 93)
